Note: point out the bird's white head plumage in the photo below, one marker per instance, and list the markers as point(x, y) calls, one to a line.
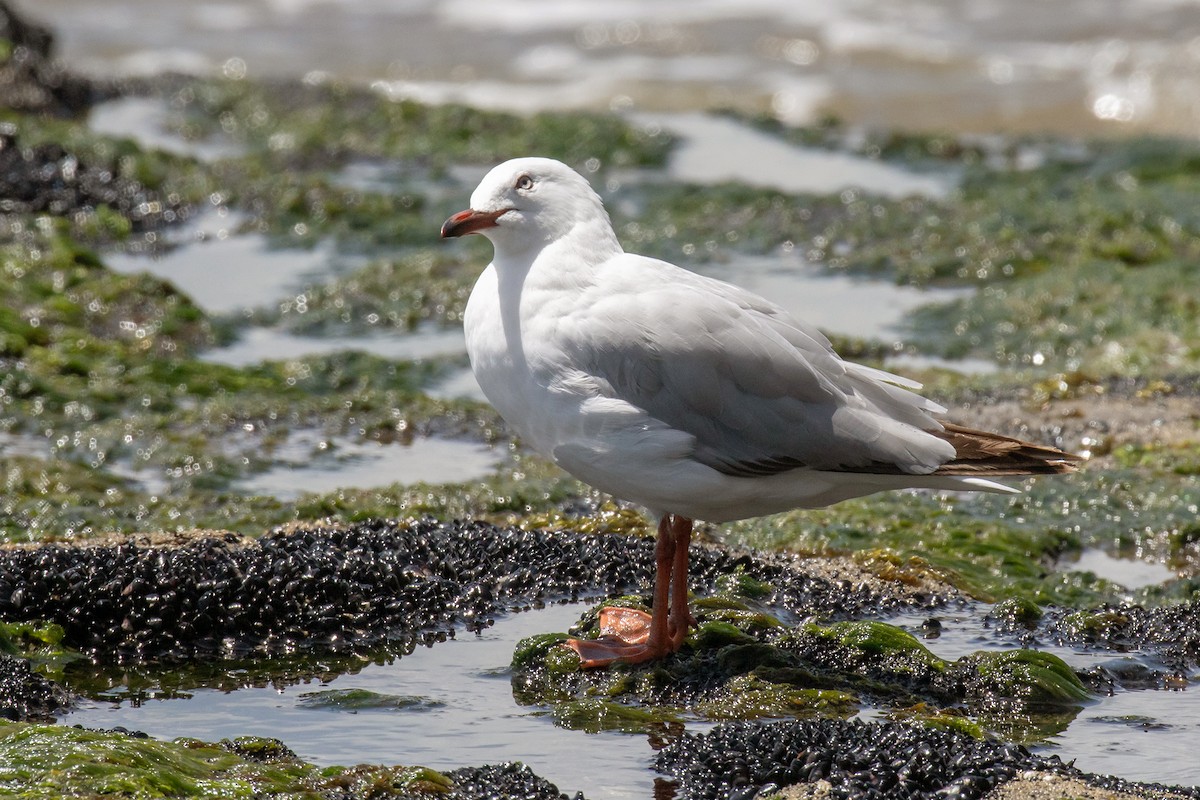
point(526, 204)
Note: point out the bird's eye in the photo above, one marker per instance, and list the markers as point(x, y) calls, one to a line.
point(524, 182)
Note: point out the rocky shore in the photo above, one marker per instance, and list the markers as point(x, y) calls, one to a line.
point(101, 375)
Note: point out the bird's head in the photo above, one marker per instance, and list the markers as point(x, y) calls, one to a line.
point(527, 203)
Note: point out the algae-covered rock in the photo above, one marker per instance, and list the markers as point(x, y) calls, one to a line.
point(1026, 677)
point(877, 644)
point(299, 124)
point(751, 697)
point(1017, 611)
point(594, 714)
point(355, 700)
point(944, 719)
point(48, 761)
point(28, 695)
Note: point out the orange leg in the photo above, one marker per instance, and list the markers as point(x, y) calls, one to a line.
point(680, 618)
point(633, 636)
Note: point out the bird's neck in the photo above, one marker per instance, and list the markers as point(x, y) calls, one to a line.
point(528, 278)
point(578, 248)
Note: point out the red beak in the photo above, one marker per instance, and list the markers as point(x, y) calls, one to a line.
point(469, 221)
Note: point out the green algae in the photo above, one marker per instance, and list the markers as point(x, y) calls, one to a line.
point(1029, 678)
point(302, 124)
point(740, 584)
point(1090, 315)
point(1018, 611)
point(231, 422)
point(1180, 458)
point(745, 670)
point(912, 149)
point(533, 650)
point(394, 294)
point(632, 699)
point(995, 547)
point(752, 697)
point(40, 644)
point(172, 184)
point(593, 715)
point(300, 209)
point(49, 761)
point(886, 662)
point(983, 557)
point(355, 700)
point(938, 718)
point(895, 648)
point(24, 637)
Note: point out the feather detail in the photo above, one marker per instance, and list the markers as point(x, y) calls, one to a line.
point(983, 453)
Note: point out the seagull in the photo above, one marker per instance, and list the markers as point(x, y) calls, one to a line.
point(689, 396)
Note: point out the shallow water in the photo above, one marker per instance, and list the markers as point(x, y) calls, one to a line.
point(468, 716)
point(713, 149)
point(451, 705)
point(254, 345)
point(23, 444)
point(311, 462)
point(223, 270)
point(460, 384)
point(1147, 735)
point(1128, 572)
point(145, 121)
point(852, 306)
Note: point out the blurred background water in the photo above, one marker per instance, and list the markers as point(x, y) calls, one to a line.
point(1071, 66)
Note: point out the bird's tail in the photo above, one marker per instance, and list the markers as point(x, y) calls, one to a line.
point(983, 454)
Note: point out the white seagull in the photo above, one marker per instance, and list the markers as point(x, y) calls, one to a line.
point(684, 394)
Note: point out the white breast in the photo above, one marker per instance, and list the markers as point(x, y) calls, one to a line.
point(517, 367)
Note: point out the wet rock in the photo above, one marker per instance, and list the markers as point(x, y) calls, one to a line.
point(30, 78)
point(501, 782)
point(344, 590)
point(48, 178)
point(258, 748)
point(855, 760)
point(1172, 633)
point(742, 663)
point(26, 695)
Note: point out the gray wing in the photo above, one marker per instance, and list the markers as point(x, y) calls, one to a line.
point(761, 392)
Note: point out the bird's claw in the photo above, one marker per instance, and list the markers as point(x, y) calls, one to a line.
point(625, 637)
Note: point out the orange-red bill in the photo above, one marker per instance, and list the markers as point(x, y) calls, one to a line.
point(469, 221)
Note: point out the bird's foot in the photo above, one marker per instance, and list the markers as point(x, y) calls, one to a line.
point(680, 632)
point(624, 638)
point(627, 624)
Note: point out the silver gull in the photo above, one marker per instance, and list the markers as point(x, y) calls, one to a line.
point(684, 394)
